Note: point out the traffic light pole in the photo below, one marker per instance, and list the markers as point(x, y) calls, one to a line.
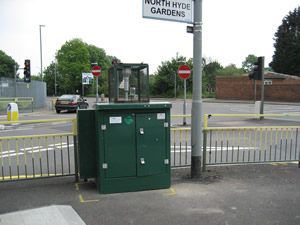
point(254, 90)
point(15, 74)
point(197, 92)
point(262, 85)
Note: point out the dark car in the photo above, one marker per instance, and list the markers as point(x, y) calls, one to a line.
point(70, 103)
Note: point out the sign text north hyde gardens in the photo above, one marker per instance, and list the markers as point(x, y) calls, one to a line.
point(172, 10)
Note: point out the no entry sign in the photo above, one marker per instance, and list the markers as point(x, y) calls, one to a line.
point(184, 71)
point(96, 71)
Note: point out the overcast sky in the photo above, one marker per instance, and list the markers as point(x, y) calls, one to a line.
point(232, 30)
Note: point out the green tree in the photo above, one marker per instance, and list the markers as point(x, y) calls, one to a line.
point(98, 55)
point(286, 57)
point(51, 74)
point(248, 63)
point(34, 77)
point(72, 60)
point(7, 65)
point(230, 70)
point(210, 70)
point(162, 83)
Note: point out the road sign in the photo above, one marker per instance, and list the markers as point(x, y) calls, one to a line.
point(171, 10)
point(87, 78)
point(96, 71)
point(184, 71)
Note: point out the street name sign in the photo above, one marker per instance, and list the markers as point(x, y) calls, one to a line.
point(171, 10)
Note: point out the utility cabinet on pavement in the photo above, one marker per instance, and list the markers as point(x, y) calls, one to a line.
point(134, 146)
point(125, 144)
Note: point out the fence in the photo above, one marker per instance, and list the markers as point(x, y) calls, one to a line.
point(52, 155)
point(38, 156)
point(236, 145)
point(36, 90)
point(24, 103)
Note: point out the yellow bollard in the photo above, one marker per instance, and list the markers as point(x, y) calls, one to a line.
point(12, 112)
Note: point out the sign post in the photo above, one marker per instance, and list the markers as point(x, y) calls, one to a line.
point(186, 11)
point(197, 92)
point(184, 72)
point(96, 71)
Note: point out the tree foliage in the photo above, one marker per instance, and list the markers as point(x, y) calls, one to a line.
point(98, 55)
point(210, 71)
point(50, 74)
point(73, 59)
point(286, 57)
point(7, 65)
point(249, 62)
point(230, 70)
point(163, 82)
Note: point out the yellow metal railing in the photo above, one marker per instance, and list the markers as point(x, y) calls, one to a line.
point(180, 147)
point(250, 144)
point(22, 102)
point(36, 156)
point(247, 144)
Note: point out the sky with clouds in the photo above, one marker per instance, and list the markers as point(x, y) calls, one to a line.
point(232, 30)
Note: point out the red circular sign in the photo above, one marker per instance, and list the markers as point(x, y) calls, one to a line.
point(184, 71)
point(96, 71)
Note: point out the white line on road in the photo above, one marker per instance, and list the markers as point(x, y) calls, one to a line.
point(37, 150)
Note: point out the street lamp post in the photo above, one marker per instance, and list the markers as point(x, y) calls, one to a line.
point(41, 51)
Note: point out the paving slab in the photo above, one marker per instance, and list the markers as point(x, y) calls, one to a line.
point(50, 215)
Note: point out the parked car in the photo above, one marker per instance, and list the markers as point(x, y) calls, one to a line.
point(70, 103)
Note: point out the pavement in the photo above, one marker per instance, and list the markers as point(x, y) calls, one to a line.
point(226, 195)
point(239, 194)
point(55, 214)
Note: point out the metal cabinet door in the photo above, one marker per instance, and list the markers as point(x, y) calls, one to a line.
point(120, 145)
point(151, 143)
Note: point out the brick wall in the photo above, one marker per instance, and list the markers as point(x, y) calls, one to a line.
point(283, 88)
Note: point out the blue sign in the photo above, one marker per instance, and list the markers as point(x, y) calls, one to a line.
point(9, 107)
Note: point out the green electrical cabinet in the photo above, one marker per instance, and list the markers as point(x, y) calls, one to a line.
point(133, 146)
point(86, 132)
point(125, 144)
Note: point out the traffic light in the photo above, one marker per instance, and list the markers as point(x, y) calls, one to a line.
point(27, 74)
point(114, 61)
point(260, 66)
point(257, 70)
point(253, 74)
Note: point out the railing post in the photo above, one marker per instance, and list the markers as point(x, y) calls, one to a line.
point(204, 142)
point(75, 150)
point(204, 150)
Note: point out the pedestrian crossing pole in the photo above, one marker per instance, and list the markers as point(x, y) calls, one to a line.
point(197, 92)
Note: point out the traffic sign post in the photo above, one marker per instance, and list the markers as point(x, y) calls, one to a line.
point(96, 71)
point(184, 72)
